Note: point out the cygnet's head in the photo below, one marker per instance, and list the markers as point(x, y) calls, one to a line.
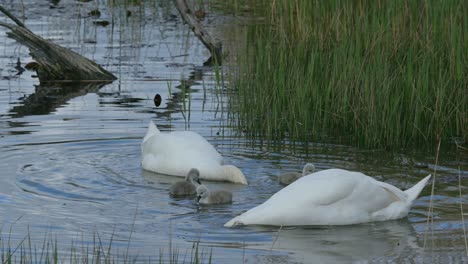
point(202, 192)
point(193, 176)
point(233, 174)
point(309, 168)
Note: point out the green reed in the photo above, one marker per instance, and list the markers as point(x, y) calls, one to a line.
point(98, 251)
point(376, 73)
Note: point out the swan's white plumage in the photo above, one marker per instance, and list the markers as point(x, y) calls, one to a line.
point(175, 153)
point(332, 197)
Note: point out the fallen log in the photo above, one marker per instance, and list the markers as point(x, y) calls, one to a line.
point(215, 47)
point(55, 63)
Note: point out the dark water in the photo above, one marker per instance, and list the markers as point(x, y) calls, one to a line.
point(70, 163)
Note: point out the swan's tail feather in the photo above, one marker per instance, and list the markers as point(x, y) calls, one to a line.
point(414, 191)
point(152, 130)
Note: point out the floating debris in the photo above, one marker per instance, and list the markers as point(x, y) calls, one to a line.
point(200, 14)
point(103, 23)
point(31, 66)
point(157, 100)
point(95, 13)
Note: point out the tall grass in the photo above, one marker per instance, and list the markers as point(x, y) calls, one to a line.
point(377, 73)
point(97, 251)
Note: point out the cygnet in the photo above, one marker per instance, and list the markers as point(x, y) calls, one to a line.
point(290, 177)
point(205, 196)
point(187, 187)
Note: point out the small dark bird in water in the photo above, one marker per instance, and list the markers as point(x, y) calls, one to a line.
point(95, 13)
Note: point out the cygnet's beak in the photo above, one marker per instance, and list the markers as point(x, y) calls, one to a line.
point(199, 182)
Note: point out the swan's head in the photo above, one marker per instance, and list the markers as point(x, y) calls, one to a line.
point(202, 192)
point(233, 174)
point(193, 176)
point(309, 168)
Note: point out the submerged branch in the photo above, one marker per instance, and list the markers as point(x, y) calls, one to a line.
point(215, 47)
point(12, 17)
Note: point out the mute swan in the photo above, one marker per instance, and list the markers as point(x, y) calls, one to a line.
point(332, 197)
point(175, 153)
point(204, 196)
point(188, 187)
point(290, 177)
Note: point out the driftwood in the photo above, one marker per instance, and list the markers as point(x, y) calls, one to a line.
point(188, 15)
point(55, 63)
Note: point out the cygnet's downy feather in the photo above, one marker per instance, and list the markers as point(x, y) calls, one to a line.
point(290, 177)
point(188, 187)
point(205, 196)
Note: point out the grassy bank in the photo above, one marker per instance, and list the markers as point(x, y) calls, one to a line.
point(95, 251)
point(377, 73)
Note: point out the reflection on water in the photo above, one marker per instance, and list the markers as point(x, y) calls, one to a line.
point(46, 98)
point(348, 243)
point(75, 169)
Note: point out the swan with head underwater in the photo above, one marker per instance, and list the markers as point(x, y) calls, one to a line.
point(332, 197)
point(175, 153)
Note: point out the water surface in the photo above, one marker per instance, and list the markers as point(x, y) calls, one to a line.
point(70, 162)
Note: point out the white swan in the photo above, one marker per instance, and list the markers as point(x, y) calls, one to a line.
point(290, 177)
point(187, 187)
point(204, 196)
point(177, 152)
point(332, 197)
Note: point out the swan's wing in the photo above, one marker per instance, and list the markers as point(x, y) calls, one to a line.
point(317, 190)
point(177, 152)
point(182, 144)
point(299, 200)
point(195, 142)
